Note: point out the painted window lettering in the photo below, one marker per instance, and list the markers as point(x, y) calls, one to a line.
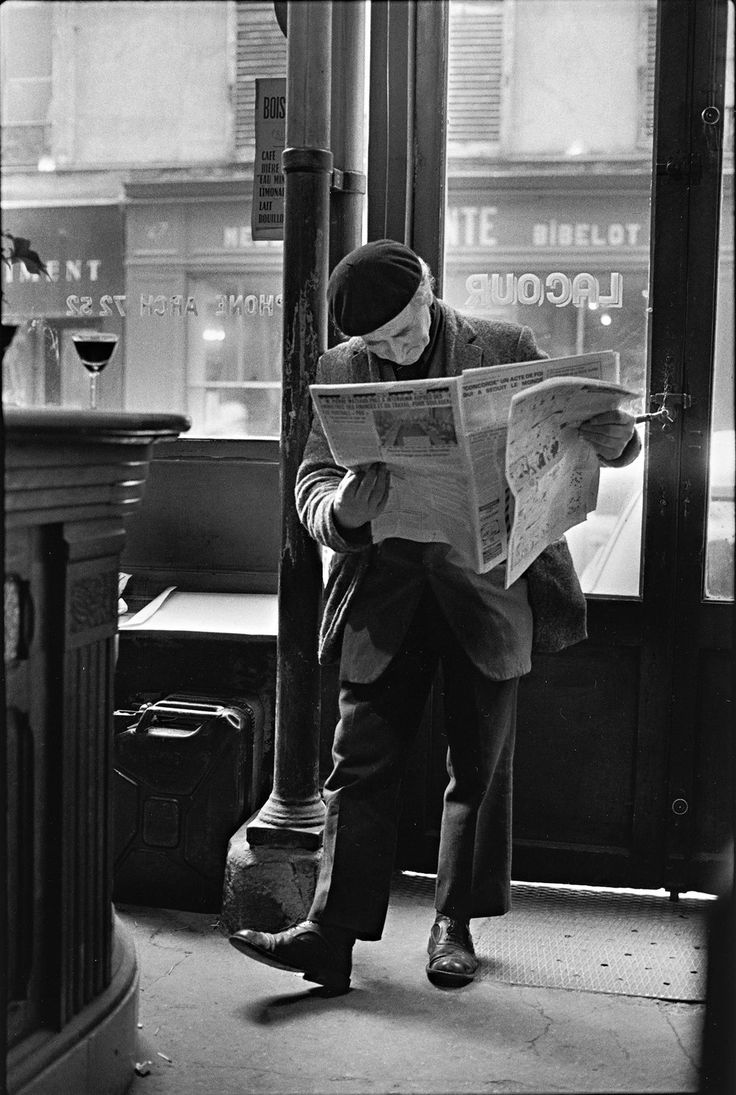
point(224, 304)
point(495, 290)
point(172, 306)
point(581, 234)
point(72, 270)
point(468, 226)
point(247, 304)
point(106, 305)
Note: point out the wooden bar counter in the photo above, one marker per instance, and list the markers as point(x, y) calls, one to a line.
point(71, 477)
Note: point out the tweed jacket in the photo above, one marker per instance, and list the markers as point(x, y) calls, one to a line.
point(557, 602)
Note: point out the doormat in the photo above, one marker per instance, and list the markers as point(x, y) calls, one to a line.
point(627, 944)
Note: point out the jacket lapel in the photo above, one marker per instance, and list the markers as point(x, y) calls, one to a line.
point(349, 363)
point(460, 346)
point(363, 369)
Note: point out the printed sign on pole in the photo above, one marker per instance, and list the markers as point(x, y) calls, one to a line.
point(267, 215)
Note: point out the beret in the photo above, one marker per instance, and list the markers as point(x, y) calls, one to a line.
point(371, 285)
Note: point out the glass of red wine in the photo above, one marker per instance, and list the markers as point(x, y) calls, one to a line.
point(94, 348)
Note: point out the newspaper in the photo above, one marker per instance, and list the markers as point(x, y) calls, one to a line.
point(489, 462)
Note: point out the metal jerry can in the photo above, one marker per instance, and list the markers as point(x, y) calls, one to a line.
point(182, 767)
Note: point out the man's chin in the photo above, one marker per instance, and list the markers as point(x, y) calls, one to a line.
point(411, 359)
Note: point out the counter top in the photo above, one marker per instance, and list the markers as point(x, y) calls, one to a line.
point(32, 423)
point(63, 464)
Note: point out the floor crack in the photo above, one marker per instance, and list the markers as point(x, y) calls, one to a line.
point(693, 1061)
point(532, 1042)
point(171, 969)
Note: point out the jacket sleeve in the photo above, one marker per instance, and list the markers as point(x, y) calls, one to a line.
point(628, 456)
point(527, 348)
point(317, 481)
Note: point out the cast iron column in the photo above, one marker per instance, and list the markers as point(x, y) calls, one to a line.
point(348, 124)
point(294, 813)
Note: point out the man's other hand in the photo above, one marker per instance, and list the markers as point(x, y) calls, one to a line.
point(609, 433)
point(361, 495)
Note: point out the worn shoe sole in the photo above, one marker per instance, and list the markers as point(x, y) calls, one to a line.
point(334, 987)
point(446, 979)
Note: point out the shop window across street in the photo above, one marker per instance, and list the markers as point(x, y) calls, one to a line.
point(133, 183)
point(547, 222)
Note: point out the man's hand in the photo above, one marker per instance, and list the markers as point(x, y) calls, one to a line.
point(361, 495)
point(609, 433)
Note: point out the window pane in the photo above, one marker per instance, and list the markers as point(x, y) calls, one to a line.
point(136, 192)
point(233, 358)
point(719, 557)
point(548, 205)
point(26, 40)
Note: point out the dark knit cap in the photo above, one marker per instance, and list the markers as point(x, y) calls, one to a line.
point(372, 285)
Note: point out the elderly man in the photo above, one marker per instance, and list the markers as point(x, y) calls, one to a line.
point(394, 610)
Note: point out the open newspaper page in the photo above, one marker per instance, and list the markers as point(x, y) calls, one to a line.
point(445, 444)
point(552, 471)
point(486, 399)
point(414, 428)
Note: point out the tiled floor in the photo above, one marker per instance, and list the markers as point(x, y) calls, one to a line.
point(214, 1023)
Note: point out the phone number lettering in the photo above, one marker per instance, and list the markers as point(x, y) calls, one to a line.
point(261, 304)
point(85, 306)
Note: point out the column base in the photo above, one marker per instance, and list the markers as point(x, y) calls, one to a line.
point(263, 834)
point(287, 823)
point(268, 886)
point(95, 1053)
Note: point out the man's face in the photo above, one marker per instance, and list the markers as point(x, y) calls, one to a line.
point(404, 338)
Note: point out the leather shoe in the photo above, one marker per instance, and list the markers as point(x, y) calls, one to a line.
point(307, 948)
point(452, 960)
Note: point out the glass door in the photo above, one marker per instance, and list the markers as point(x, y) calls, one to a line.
point(585, 155)
point(550, 115)
point(719, 560)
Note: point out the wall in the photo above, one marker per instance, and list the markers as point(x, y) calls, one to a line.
point(571, 62)
point(156, 92)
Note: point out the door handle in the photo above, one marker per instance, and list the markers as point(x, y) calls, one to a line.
point(663, 415)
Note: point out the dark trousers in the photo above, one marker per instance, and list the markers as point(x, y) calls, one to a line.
point(378, 723)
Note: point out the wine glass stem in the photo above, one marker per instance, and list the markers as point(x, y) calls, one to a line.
point(93, 391)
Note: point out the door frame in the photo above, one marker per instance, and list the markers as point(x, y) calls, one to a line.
point(671, 625)
point(687, 205)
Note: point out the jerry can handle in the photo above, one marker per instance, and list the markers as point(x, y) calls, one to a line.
point(146, 721)
point(203, 714)
point(151, 719)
